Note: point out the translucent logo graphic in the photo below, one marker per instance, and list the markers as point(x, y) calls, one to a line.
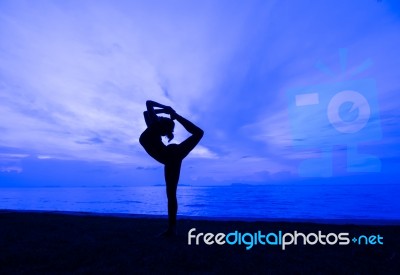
point(341, 113)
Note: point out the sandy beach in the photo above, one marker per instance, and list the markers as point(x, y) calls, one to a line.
point(51, 242)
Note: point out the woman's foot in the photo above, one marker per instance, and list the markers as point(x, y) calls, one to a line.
point(170, 232)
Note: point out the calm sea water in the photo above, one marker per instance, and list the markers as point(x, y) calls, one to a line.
point(269, 202)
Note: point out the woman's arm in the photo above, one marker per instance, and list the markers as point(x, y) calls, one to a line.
point(150, 116)
point(189, 126)
point(152, 104)
point(186, 146)
point(162, 111)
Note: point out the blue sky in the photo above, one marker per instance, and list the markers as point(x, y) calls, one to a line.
point(75, 75)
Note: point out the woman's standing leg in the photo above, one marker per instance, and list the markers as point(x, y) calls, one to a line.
point(172, 171)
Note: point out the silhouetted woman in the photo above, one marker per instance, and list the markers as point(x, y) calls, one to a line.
point(172, 155)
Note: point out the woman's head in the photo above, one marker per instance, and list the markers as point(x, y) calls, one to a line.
point(166, 127)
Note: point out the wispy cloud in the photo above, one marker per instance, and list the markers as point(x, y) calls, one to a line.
point(74, 77)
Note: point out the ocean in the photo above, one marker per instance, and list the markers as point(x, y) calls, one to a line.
point(287, 202)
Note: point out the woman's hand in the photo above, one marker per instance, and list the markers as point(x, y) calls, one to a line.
point(152, 113)
point(171, 112)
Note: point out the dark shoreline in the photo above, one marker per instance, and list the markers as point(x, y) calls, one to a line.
point(225, 219)
point(37, 242)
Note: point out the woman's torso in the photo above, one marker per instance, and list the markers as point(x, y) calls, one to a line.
point(152, 143)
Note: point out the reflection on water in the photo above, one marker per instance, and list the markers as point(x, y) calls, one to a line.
point(272, 201)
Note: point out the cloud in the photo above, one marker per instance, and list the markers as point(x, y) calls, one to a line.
point(44, 157)
point(10, 169)
point(74, 77)
point(202, 152)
